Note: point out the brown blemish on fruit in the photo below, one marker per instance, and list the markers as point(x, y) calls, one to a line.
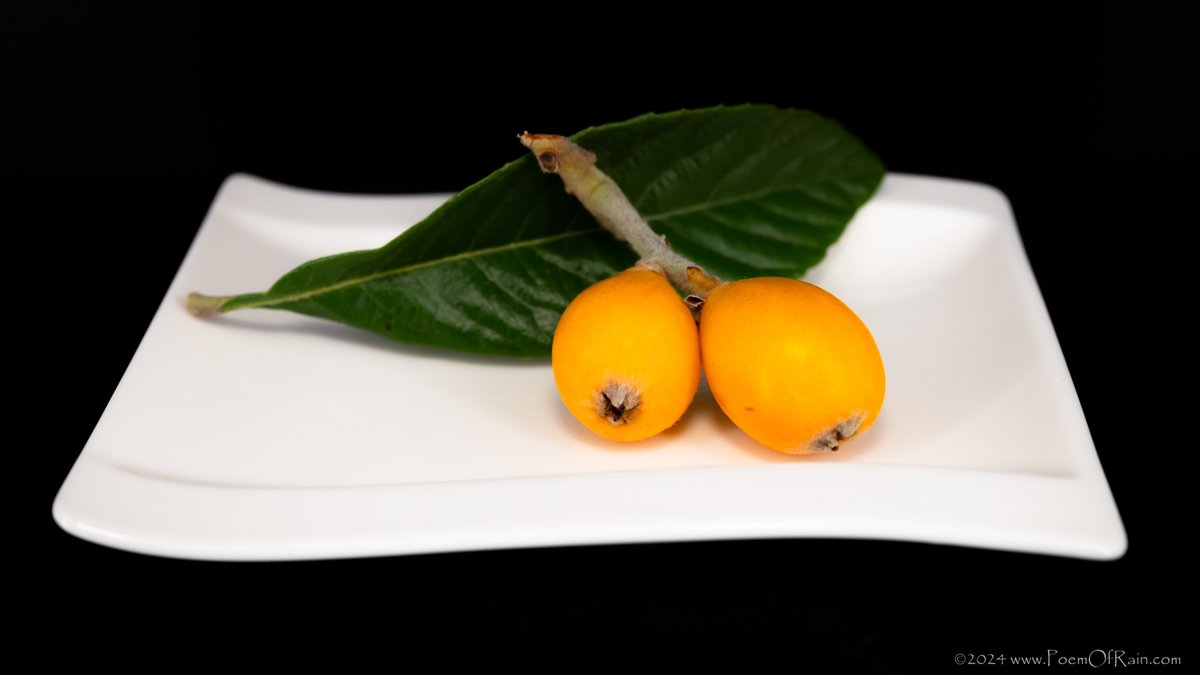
point(617, 402)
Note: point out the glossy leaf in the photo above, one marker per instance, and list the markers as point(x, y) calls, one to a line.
point(743, 191)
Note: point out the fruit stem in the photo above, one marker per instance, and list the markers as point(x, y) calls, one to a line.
point(603, 198)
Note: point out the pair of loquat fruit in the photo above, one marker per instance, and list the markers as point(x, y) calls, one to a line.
point(789, 363)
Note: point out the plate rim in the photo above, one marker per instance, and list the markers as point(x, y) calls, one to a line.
point(369, 526)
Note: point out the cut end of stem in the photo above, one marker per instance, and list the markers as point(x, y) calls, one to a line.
point(205, 306)
point(556, 152)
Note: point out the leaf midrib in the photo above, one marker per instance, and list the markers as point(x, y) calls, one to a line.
point(466, 255)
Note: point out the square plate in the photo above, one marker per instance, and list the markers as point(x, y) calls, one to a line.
point(264, 435)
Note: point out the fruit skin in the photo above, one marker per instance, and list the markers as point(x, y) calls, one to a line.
point(627, 337)
point(790, 364)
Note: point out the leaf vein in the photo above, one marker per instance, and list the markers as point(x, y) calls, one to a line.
point(467, 255)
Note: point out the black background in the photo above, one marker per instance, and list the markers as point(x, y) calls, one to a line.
point(122, 123)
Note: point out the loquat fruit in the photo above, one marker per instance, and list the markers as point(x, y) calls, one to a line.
point(790, 364)
point(626, 356)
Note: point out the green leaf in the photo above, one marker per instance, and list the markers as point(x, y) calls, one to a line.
point(743, 191)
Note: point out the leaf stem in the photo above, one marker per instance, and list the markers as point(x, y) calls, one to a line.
point(205, 306)
point(603, 198)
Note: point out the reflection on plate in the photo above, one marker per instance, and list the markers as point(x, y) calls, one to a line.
point(265, 435)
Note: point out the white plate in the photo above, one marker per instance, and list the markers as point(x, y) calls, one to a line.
point(264, 435)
